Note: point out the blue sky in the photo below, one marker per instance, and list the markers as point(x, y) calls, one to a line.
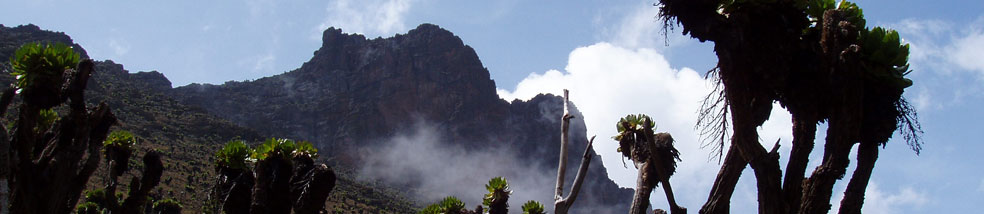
point(587, 46)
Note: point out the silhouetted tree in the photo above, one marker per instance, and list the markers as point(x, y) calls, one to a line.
point(533, 207)
point(819, 61)
point(118, 148)
point(283, 179)
point(653, 154)
point(498, 197)
point(49, 159)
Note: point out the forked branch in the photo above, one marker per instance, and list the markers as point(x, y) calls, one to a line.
point(561, 204)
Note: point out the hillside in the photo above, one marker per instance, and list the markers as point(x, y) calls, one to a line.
point(413, 115)
point(365, 102)
point(186, 135)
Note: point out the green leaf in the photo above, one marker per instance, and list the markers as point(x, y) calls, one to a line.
point(306, 149)
point(854, 13)
point(274, 147)
point(120, 139)
point(233, 155)
point(533, 207)
point(498, 190)
point(816, 8)
point(450, 204)
point(34, 61)
point(47, 118)
point(884, 58)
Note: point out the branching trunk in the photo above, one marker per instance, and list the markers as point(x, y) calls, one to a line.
point(670, 198)
point(561, 204)
point(804, 133)
point(49, 170)
point(749, 109)
point(845, 120)
point(644, 187)
point(140, 189)
point(271, 194)
point(273, 185)
point(719, 201)
point(854, 195)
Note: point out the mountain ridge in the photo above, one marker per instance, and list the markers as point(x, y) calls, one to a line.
point(357, 94)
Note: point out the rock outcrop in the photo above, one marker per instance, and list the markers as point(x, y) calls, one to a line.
point(356, 93)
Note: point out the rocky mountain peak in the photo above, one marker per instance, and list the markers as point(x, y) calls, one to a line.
point(358, 94)
point(12, 38)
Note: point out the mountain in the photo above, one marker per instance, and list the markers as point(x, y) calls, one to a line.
point(187, 136)
point(415, 115)
point(357, 97)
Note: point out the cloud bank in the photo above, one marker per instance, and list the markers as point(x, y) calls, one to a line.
point(608, 82)
point(434, 169)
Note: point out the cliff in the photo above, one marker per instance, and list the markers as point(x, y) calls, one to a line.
point(356, 94)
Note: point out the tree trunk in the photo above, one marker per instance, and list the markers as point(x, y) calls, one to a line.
point(854, 195)
point(719, 201)
point(668, 190)
point(804, 133)
point(271, 193)
point(846, 116)
point(750, 107)
point(644, 187)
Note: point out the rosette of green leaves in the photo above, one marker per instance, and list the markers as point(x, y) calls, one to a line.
point(533, 207)
point(449, 205)
point(884, 58)
point(498, 192)
point(38, 70)
point(273, 147)
point(119, 146)
point(854, 13)
point(233, 155)
point(167, 205)
point(89, 208)
point(305, 149)
point(815, 8)
point(630, 129)
point(632, 122)
point(47, 118)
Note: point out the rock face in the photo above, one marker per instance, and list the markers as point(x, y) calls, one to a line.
point(187, 136)
point(355, 91)
point(355, 94)
point(12, 38)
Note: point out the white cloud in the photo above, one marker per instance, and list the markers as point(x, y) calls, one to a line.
point(642, 29)
point(968, 51)
point(939, 46)
point(608, 82)
point(369, 17)
point(946, 59)
point(119, 47)
point(877, 201)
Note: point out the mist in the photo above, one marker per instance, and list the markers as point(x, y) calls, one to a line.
point(421, 161)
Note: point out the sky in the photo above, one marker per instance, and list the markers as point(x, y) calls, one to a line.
point(606, 52)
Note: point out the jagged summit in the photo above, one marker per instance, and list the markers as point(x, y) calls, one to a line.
point(356, 94)
point(11, 38)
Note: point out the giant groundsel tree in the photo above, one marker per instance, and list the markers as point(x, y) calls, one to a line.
point(817, 59)
point(46, 160)
point(653, 154)
point(278, 176)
